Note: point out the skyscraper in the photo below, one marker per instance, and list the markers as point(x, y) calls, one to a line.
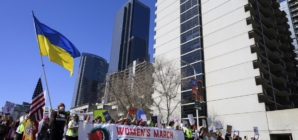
point(247, 58)
point(290, 7)
point(90, 79)
point(130, 36)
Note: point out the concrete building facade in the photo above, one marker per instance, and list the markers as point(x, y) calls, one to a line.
point(249, 61)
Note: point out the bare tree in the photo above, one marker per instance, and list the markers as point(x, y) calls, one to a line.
point(167, 84)
point(131, 88)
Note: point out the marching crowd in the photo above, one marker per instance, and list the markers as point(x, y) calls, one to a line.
point(55, 128)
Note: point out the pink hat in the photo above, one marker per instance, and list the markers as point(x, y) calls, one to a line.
point(45, 117)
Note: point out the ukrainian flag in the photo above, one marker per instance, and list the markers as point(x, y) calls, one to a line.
point(54, 45)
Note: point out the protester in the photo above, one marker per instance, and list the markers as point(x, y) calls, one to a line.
point(188, 132)
point(227, 136)
point(73, 128)
point(44, 131)
point(171, 124)
point(219, 136)
point(20, 128)
point(11, 129)
point(4, 124)
point(201, 133)
point(245, 138)
point(58, 121)
point(163, 125)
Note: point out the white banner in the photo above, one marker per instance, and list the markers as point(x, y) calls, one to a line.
point(122, 132)
point(9, 107)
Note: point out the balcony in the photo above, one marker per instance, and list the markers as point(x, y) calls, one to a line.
point(294, 15)
point(249, 7)
point(262, 79)
point(259, 63)
point(294, 9)
point(273, 54)
point(278, 78)
point(255, 34)
point(293, 4)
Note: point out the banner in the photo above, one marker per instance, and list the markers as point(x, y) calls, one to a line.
point(122, 132)
point(8, 107)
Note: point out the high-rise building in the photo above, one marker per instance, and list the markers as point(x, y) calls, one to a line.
point(243, 52)
point(90, 79)
point(291, 9)
point(130, 37)
point(178, 37)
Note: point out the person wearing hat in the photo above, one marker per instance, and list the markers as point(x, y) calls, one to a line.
point(44, 133)
point(73, 128)
point(57, 122)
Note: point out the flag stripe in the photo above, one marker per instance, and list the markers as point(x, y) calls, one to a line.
point(37, 103)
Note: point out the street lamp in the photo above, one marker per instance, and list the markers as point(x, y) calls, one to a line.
point(195, 73)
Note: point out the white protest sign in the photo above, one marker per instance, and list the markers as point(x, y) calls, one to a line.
point(209, 121)
point(217, 125)
point(191, 119)
point(185, 123)
point(8, 107)
point(143, 117)
point(204, 123)
point(256, 130)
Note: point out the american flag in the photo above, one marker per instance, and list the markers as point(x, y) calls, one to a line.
point(38, 102)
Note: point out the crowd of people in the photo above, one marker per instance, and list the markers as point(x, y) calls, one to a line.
point(61, 126)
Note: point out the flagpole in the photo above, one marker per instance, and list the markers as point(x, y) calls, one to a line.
point(44, 71)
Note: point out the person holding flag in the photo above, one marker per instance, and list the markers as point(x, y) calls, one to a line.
point(35, 114)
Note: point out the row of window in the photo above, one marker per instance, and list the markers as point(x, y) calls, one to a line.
point(191, 45)
point(192, 57)
point(188, 70)
point(186, 82)
point(189, 35)
point(189, 24)
point(189, 14)
point(189, 109)
point(185, 6)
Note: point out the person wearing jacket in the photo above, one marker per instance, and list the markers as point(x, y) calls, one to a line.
point(73, 128)
point(44, 131)
point(188, 133)
point(57, 123)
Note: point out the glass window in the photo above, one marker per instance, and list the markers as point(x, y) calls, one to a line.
point(189, 24)
point(191, 34)
point(186, 97)
point(189, 109)
point(188, 84)
point(192, 57)
point(192, 45)
point(188, 70)
point(189, 14)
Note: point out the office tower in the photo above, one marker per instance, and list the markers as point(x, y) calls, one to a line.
point(90, 79)
point(178, 37)
point(248, 58)
point(291, 9)
point(130, 36)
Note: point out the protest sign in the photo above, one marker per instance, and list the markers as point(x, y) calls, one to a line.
point(143, 117)
point(204, 123)
point(132, 110)
point(191, 119)
point(107, 116)
point(99, 112)
point(121, 132)
point(8, 107)
point(229, 129)
point(209, 121)
point(154, 119)
point(237, 132)
point(184, 122)
point(217, 125)
point(256, 130)
point(139, 113)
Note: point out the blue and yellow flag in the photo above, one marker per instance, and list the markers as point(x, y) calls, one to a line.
point(54, 45)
